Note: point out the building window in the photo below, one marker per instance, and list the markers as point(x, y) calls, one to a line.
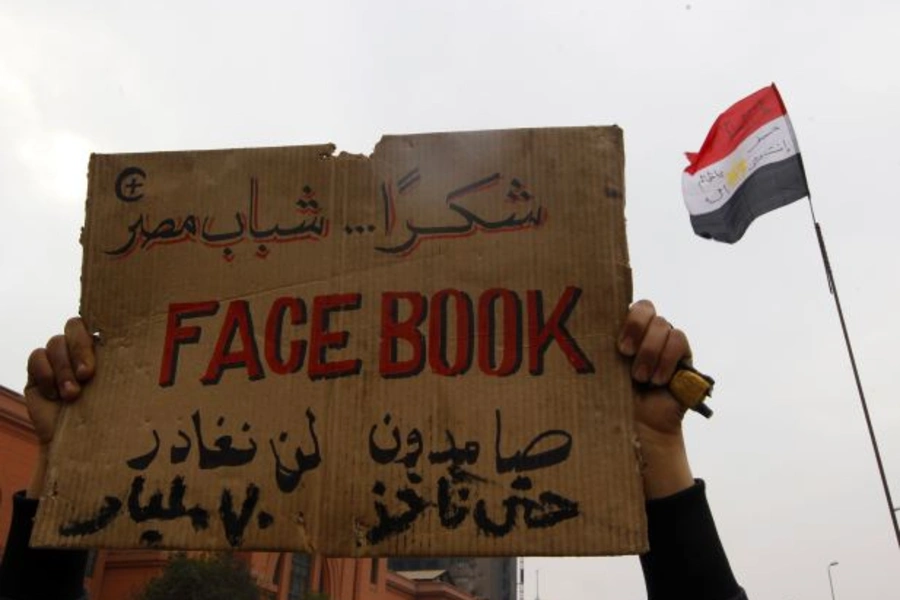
point(373, 571)
point(299, 585)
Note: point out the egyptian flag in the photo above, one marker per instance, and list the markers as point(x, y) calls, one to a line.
point(749, 165)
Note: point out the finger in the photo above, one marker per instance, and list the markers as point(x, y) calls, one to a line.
point(58, 353)
point(40, 374)
point(648, 354)
point(675, 350)
point(81, 349)
point(636, 322)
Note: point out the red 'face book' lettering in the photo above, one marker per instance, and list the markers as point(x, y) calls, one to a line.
point(490, 333)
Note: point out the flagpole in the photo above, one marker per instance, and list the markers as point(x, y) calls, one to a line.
point(832, 287)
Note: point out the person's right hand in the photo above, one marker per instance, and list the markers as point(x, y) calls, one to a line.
point(56, 374)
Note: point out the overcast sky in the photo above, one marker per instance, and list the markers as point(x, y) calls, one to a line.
point(787, 459)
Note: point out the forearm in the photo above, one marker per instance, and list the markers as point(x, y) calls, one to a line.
point(33, 574)
point(665, 469)
point(686, 558)
point(23, 574)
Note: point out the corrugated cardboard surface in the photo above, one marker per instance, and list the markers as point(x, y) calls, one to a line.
point(500, 257)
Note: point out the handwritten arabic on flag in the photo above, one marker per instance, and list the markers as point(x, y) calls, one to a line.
point(748, 165)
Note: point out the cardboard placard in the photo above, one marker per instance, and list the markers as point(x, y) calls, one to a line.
point(407, 354)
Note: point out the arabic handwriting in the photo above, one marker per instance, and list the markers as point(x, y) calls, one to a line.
point(160, 509)
point(389, 524)
point(468, 454)
point(139, 463)
point(404, 184)
point(548, 511)
point(517, 192)
point(450, 512)
point(151, 537)
point(752, 158)
point(413, 438)
point(170, 504)
point(472, 222)
point(781, 148)
point(722, 191)
point(235, 524)
point(307, 204)
point(264, 520)
point(225, 455)
point(105, 515)
point(453, 490)
point(524, 460)
point(390, 215)
point(762, 137)
point(408, 180)
point(288, 479)
point(154, 509)
point(211, 238)
point(410, 459)
point(179, 454)
point(711, 176)
point(381, 455)
point(143, 236)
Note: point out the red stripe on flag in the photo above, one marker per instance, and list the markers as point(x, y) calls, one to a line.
point(735, 124)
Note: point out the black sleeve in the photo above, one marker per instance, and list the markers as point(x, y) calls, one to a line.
point(29, 574)
point(686, 558)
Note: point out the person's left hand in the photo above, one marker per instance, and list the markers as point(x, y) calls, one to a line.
point(656, 349)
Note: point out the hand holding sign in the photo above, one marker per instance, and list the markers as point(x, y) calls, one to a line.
point(657, 348)
point(56, 373)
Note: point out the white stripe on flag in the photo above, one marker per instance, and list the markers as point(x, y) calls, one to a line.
point(711, 187)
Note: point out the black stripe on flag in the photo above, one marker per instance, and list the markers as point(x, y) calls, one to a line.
point(772, 186)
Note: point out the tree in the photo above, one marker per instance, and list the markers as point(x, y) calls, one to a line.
point(210, 577)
